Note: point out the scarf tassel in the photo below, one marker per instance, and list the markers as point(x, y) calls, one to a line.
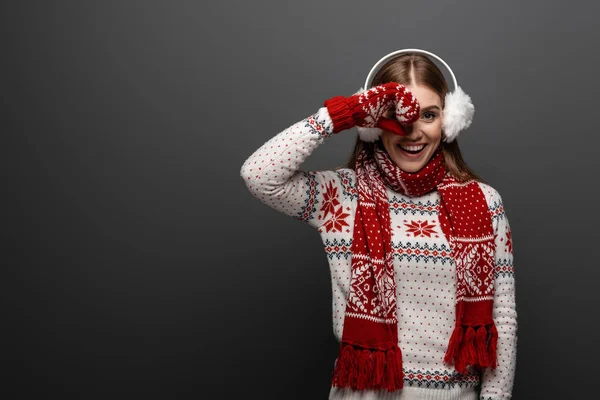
point(472, 345)
point(362, 369)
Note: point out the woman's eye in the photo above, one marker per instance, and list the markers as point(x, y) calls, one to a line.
point(433, 115)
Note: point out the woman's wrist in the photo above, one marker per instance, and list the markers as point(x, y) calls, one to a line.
point(340, 113)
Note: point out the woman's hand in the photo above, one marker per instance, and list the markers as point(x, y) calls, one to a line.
point(367, 108)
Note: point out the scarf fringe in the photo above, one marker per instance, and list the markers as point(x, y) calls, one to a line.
point(470, 347)
point(362, 369)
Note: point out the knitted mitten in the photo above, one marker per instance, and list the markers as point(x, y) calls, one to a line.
point(366, 108)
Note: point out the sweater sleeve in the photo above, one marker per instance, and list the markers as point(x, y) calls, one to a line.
point(272, 174)
point(498, 383)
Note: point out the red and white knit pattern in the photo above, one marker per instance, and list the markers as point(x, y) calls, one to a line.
point(424, 270)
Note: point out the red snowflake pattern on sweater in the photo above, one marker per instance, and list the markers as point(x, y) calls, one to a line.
point(419, 228)
point(330, 200)
point(337, 221)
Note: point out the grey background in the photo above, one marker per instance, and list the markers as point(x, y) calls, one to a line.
point(136, 262)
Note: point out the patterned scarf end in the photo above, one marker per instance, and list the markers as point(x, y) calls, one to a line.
point(473, 345)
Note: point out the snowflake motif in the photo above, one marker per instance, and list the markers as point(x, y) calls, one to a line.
point(388, 286)
point(420, 228)
point(468, 257)
point(330, 200)
point(337, 220)
point(488, 281)
point(509, 247)
point(360, 287)
point(471, 267)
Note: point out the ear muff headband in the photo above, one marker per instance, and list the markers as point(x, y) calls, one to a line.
point(458, 108)
point(396, 53)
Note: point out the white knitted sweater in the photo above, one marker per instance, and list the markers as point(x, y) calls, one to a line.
point(424, 270)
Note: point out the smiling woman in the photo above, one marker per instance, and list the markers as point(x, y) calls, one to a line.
point(424, 79)
point(419, 248)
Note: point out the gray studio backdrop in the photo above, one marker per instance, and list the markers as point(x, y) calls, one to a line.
point(137, 262)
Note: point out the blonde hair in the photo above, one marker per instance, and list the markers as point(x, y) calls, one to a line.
point(417, 69)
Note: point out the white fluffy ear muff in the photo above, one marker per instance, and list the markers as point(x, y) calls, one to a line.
point(458, 113)
point(458, 109)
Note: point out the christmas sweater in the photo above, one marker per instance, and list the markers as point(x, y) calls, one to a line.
point(424, 270)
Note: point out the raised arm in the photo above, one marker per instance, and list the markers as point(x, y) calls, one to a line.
point(498, 384)
point(272, 172)
point(273, 176)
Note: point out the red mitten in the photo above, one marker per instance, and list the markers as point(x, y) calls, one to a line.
point(366, 108)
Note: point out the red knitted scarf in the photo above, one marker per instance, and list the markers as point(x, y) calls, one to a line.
point(369, 354)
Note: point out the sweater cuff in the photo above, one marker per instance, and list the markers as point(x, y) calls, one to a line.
point(340, 114)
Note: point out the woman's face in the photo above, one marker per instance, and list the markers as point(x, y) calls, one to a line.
point(427, 131)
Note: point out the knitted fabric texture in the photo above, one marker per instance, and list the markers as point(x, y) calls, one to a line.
point(369, 354)
point(366, 108)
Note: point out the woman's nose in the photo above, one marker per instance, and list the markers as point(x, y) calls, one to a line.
point(408, 128)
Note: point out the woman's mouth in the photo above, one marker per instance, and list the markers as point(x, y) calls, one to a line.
point(411, 151)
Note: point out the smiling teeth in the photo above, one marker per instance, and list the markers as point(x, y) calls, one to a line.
point(412, 148)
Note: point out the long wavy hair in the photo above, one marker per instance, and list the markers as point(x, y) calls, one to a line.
point(418, 70)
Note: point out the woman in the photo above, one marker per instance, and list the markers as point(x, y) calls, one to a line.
point(419, 247)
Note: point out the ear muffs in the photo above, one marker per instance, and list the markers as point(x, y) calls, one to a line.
point(458, 107)
point(458, 113)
